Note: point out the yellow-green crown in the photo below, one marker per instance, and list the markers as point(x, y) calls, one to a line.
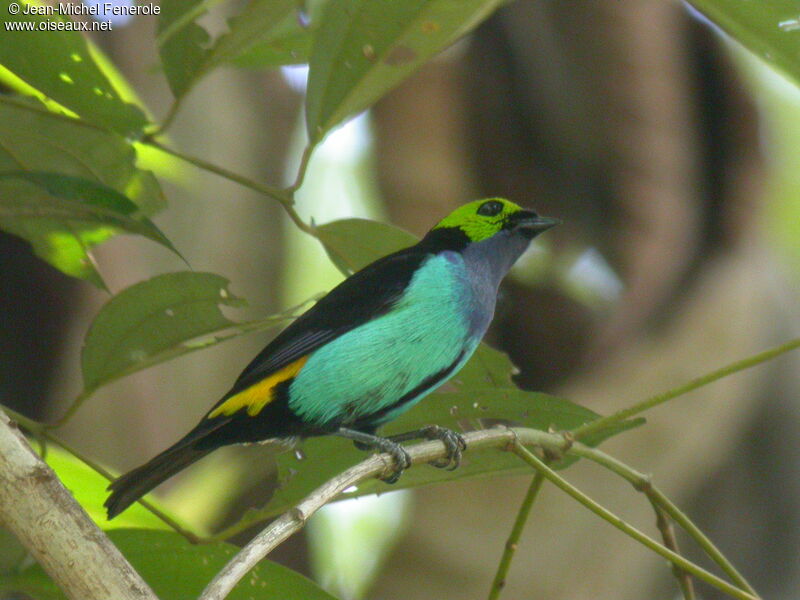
point(480, 219)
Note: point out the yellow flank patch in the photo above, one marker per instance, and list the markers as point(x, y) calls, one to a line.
point(258, 395)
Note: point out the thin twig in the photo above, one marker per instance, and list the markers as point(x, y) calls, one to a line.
point(513, 539)
point(643, 483)
point(607, 515)
point(671, 541)
point(71, 410)
point(262, 188)
point(692, 385)
point(283, 196)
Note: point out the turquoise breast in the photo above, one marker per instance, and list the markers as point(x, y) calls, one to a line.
point(370, 368)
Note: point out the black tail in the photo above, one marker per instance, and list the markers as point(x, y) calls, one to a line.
point(128, 488)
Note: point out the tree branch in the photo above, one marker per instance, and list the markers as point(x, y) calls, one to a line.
point(499, 438)
point(45, 518)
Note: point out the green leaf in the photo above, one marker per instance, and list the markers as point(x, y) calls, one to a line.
point(60, 233)
point(33, 140)
point(178, 570)
point(63, 217)
point(12, 553)
point(183, 43)
point(153, 321)
point(91, 490)
point(58, 64)
point(32, 583)
point(257, 22)
point(354, 243)
point(364, 48)
point(771, 30)
point(288, 43)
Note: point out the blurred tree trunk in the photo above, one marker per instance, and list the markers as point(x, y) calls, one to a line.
point(627, 120)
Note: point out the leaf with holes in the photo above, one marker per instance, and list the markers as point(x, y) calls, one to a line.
point(184, 45)
point(151, 319)
point(288, 43)
point(160, 319)
point(58, 64)
point(364, 48)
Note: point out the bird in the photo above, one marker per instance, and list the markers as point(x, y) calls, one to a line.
point(369, 350)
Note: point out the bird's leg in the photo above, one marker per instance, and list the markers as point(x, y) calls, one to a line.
point(453, 442)
point(365, 441)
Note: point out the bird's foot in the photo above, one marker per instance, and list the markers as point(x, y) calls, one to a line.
point(453, 442)
point(401, 458)
point(369, 441)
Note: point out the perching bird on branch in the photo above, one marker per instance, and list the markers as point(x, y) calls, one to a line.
point(369, 350)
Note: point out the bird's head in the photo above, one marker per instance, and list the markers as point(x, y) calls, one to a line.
point(483, 219)
point(490, 233)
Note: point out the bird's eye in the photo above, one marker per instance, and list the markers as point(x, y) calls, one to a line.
point(492, 208)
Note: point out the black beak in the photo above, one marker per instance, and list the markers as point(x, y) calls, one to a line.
point(529, 222)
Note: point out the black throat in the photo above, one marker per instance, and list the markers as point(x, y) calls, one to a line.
point(444, 238)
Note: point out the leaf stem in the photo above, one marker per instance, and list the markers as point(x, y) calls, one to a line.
point(167, 121)
point(71, 410)
point(513, 538)
point(302, 168)
point(631, 531)
point(689, 386)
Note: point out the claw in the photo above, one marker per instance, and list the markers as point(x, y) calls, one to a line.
point(401, 458)
point(368, 441)
point(453, 442)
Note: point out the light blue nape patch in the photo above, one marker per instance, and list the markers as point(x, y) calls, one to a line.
point(371, 367)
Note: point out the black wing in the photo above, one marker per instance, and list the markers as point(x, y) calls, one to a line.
point(364, 295)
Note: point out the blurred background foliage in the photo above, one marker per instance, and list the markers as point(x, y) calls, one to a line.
point(670, 152)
